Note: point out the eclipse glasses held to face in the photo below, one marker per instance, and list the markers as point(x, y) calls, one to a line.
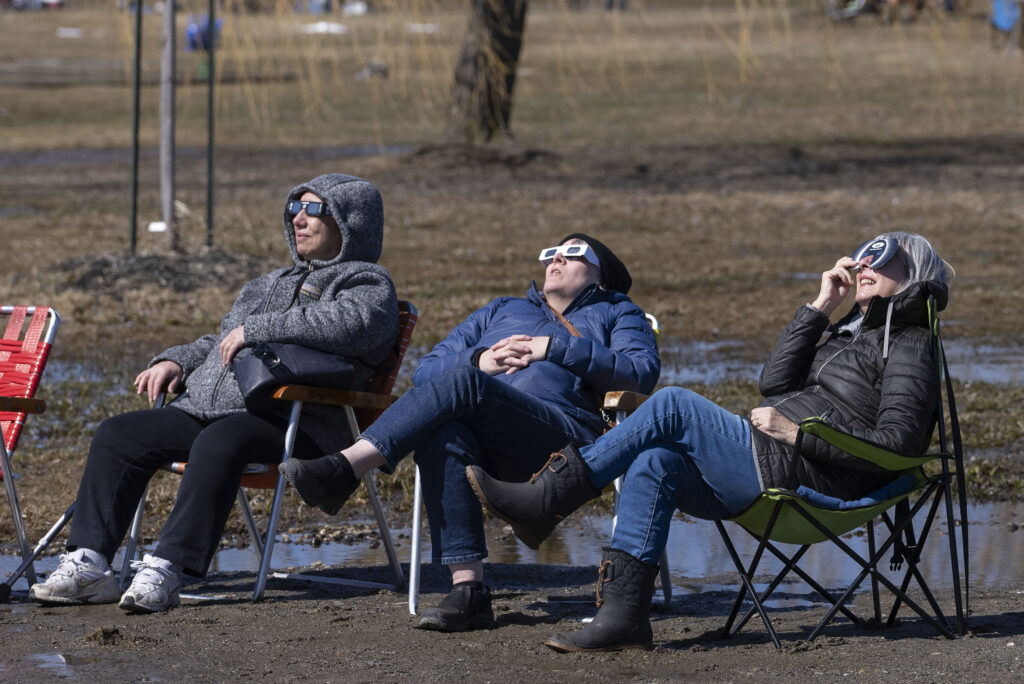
point(293, 207)
point(569, 252)
point(879, 250)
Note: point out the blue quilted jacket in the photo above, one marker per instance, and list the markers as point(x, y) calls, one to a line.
point(617, 350)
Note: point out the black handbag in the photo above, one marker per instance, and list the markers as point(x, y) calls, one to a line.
point(261, 369)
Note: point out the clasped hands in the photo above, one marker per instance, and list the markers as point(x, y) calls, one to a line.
point(513, 353)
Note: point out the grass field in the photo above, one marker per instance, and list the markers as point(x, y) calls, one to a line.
point(727, 151)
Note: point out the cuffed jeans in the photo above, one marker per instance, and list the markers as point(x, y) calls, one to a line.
point(465, 418)
point(128, 449)
point(677, 451)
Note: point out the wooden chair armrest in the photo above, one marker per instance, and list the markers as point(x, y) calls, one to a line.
point(623, 401)
point(22, 405)
point(323, 395)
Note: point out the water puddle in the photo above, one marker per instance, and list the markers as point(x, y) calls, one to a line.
point(9, 212)
point(123, 155)
point(69, 665)
point(695, 552)
point(709, 363)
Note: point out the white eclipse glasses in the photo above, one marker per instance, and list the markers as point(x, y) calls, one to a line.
point(569, 252)
point(880, 250)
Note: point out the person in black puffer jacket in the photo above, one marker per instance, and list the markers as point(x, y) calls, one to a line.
point(873, 377)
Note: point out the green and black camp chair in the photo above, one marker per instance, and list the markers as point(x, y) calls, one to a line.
point(804, 518)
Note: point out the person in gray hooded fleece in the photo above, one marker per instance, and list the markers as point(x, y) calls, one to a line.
point(334, 297)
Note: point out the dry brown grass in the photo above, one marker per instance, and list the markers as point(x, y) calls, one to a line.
point(723, 154)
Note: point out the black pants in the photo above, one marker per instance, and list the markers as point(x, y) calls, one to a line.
point(128, 449)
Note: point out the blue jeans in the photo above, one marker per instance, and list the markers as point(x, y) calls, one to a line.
point(677, 451)
point(469, 418)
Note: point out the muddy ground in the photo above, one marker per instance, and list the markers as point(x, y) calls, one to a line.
point(301, 632)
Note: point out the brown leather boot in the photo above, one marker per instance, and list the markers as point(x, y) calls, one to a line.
point(625, 586)
point(533, 508)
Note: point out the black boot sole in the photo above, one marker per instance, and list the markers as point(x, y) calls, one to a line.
point(524, 535)
point(436, 624)
point(563, 647)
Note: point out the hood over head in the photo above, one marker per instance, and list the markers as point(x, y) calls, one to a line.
point(356, 207)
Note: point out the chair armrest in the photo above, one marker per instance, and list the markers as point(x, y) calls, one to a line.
point(868, 451)
point(22, 405)
point(623, 401)
point(323, 395)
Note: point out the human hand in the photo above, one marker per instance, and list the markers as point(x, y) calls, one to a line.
point(772, 423)
point(231, 343)
point(513, 353)
point(153, 380)
point(835, 284)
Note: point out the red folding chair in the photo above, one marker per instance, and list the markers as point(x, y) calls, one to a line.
point(24, 349)
point(361, 409)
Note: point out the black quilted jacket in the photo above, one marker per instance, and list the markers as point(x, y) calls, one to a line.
point(845, 380)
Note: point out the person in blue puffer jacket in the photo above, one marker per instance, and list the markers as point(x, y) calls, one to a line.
point(511, 384)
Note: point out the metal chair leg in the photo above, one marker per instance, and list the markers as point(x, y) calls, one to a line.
point(5, 588)
point(275, 512)
point(250, 522)
point(132, 543)
point(12, 499)
point(385, 530)
point(414, 557)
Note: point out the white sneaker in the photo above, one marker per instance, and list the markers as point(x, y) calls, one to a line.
point(154, 588)
point(82, 576)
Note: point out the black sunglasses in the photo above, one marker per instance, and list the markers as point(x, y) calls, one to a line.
point(293, 207)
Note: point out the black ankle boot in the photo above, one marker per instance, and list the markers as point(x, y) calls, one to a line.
point(324, 482)
point(534, 508)
point(467, 606)
point(625, 586)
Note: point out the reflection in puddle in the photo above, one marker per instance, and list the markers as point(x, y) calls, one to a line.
point(54, 663)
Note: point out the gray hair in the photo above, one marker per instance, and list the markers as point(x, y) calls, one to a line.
point(922, 261)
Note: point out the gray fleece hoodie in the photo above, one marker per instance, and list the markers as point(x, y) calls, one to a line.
point(345, 305)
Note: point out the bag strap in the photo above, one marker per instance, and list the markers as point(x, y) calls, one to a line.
point(596, 396)
point(563, 320)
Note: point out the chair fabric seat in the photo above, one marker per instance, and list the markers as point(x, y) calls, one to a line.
point(793, 528)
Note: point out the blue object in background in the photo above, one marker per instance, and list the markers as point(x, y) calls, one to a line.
point(1005, 14)
point(197, 33)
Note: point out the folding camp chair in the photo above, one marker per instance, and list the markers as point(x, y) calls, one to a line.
point(617, 405)
point(361, 409)
point(804, 518)
point(24, 349)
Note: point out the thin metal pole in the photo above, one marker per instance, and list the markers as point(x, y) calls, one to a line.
point(167, 124)
point(132, 229)
point(209, 125)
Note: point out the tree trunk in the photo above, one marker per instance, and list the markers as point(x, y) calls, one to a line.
point(485, 73)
